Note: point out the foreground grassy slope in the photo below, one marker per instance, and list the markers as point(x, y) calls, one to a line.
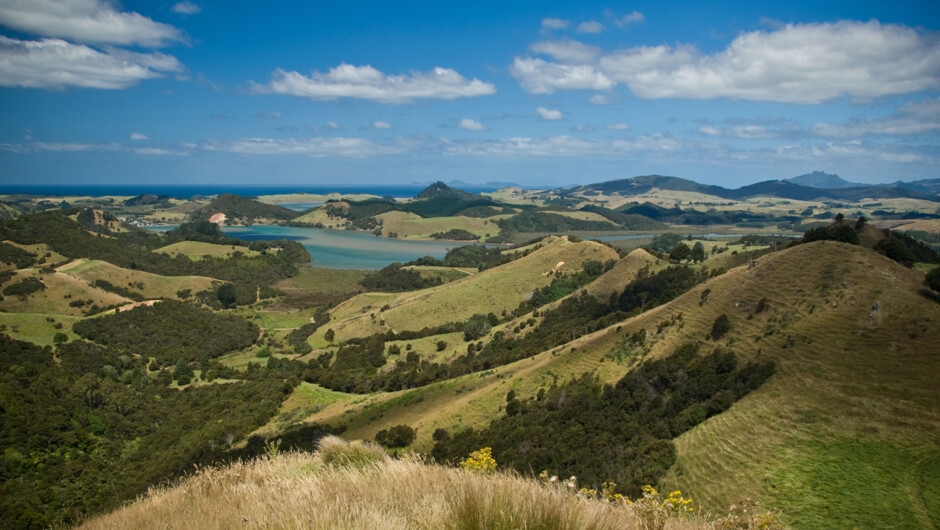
point(493, 290)
point(846, 432)
point(355, 486)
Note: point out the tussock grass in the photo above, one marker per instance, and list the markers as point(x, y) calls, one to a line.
point(303, 490)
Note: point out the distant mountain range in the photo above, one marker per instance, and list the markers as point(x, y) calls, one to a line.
point(812, 186)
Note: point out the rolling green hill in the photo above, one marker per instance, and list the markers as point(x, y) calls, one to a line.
point(844, 433)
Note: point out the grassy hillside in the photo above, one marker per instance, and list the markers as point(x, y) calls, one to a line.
point(408, 225)
point(493, 290)
point(146, 284)
point(845, 433)
point(60, 290)
point(197, 249)
point(348, 485)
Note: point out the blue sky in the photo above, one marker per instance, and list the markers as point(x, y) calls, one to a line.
point(539, 93)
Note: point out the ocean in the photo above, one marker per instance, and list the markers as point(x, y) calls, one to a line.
point(185, 192)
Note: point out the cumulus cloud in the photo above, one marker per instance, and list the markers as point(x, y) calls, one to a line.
point(548, 114)
point(797, 63)
point(138, 136)
point(366, 82)
point(562, 146)
point(56, 64)
point(316, 147)
point(555, 23)
point(567, 51)
point(333, 126)
point(590, 26)
point(471, 125)
point(541, 77)
point(86, 21)
point(381, 125)
point(616, 126)
point(186, 8)
point(600, 99)
point(804, 63)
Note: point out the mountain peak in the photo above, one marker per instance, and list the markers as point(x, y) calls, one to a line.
point(820, 179)
point(439, 190)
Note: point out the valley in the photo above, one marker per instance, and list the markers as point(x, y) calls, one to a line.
point(776, 346)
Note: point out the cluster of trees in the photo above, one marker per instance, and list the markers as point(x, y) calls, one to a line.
point(15, 256)
point(455, 234)
point(105, 285)
point(395, 278)
point(682, 252)
point(24, 287)
point(620, 432)
point(87, 430)
point(544, 221)
point(169, 330)
point(394, 437)
point(901, 248)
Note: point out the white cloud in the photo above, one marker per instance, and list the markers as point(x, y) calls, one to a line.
point(798, 63)
point(747, 132)
point(269, 115)
point(186, 8)
point(35, 147)
point(583, 128)
point(471, 125)
point(541, 77)
point(54, 63)
point(567, 51)
point(317, 147)
point(138, 136)
point(616, 126)
point(590, 26)
point(555, 23)
point(600, 99)
point(918, 117)
point(365, 82)
point(333, 126)
point(548, 114)
point(381, 125)
point(86, 21)
point(155, 151)
point(805, 63)
point(562, 146)
point(622, 21)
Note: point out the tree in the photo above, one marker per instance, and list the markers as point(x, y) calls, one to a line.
point(226, 295)
point(441, 345)
point(59, 338)
point(476, 327)
point(397, 436)
point(698, 252)
point(680, 252)
point(329, 335)
point(896, 250)
point(933, 279)
point(721, 326)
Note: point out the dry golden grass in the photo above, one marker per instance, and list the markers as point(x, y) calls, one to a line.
point(353, 485)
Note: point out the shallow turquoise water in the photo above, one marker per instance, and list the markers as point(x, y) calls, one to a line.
point(342, 249)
